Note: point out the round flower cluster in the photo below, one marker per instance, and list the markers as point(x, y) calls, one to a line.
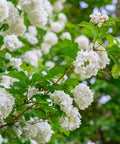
point(31, 35)
point(40, 132)
point(4, 10)
point(58, 26)
point(58, 5)
point(65, 35)
point(6, 103)
point(83, 42)
point(83, 96)
point(90, 59)
point(32, 57)
point(72, 119)
point(100, 50)
point(63, 100)
point(50, 39)
point(38, 11)
point(12, 42)
point(86, 63)
point(10, 15)
point(98, 18)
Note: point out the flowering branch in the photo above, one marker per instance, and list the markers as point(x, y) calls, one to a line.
point(26, 102)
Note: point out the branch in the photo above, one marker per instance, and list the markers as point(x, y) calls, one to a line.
point(14, 119)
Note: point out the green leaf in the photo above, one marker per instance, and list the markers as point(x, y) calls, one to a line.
point(18, 75)
point(116, 70)
point(71, 82)
point(69, 48)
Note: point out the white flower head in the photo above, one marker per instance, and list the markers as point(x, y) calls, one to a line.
point(83, 42)
point(45, 47)
point(98, 18)
point(57, 26)
point(50, 38)
point(58, 6)
point(17, 27)
point(32, 57)
point(12, 42)
point(83, 96)
point(40, 132)
point(87, 63)
point(71, 121)
point(4, 10)
point(65, 35)
point(32, 30)
point(6, 103)
point(63, 100)
point(62, 17)
point(100, 50)
point(31, 38)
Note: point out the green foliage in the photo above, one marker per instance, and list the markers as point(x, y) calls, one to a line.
point(100, 121)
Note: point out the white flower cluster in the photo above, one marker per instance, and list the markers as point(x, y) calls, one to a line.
point(7, 81)
point(10, 15)
point(12, 42)
point(90, 59)
point(40, 132)
point(15, 62)
point(50, 39)
point(98, 18)
point(83, 96)
point(31, 35)
point(100, 50)
point(58, 5)
point(17, 27)
point(6, 103)
point(32, 57)
point(72, 119)
point(65, 35)
point(38, 11)
point(4, 10)
point(58, 26)
point(86, 63)
point(83, 42)
point(63, 100)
